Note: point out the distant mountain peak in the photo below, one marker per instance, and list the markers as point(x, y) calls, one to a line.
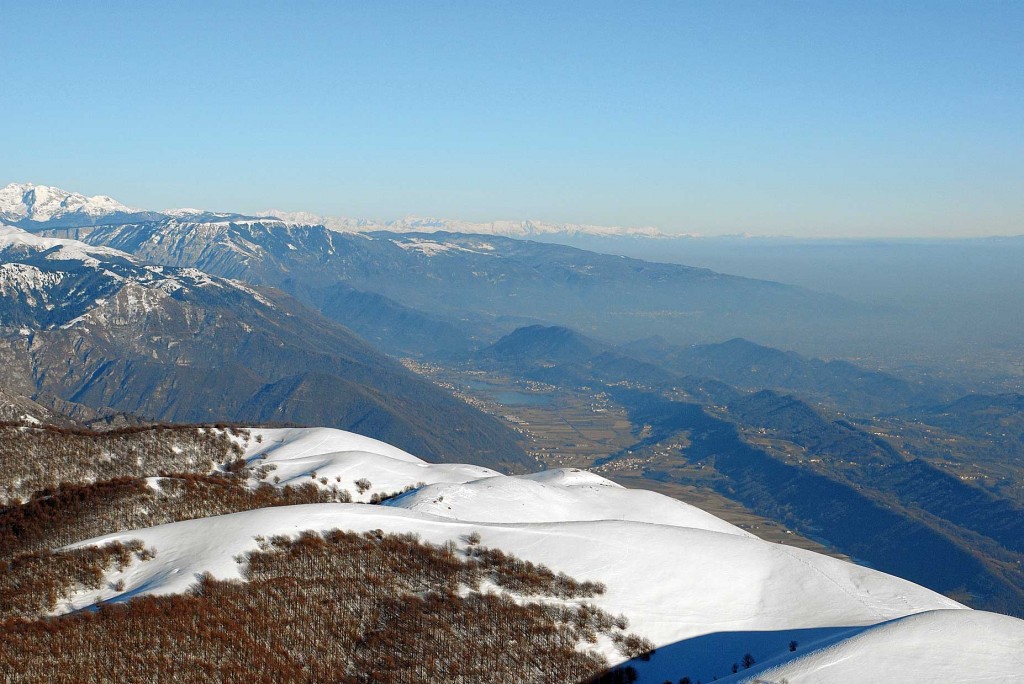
point(543, 344)
point(33, 207)
point(19, 201)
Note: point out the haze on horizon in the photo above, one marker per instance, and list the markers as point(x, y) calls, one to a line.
point(839, 120)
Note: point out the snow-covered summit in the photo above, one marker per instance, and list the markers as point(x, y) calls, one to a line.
point(44, 203)
point(557, 496)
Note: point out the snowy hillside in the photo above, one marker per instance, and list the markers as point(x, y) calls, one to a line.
point(704, 592)
point(937, 645)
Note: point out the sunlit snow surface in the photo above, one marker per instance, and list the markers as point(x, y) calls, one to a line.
point(701, 589)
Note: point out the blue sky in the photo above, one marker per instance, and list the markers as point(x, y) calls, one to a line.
point(799, 118)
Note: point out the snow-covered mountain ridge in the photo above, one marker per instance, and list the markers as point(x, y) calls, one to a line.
point(706, 593)
point(414, 224)
point(54, 282)
point(28, 205)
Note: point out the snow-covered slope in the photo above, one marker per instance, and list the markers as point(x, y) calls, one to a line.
point(556, 496)
point(702, 590)
point(934, 646)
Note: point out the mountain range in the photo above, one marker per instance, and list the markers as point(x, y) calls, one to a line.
point(487, 285)
point(126, 317)
point(32, 206)
point(457, 283)
point(105, 332)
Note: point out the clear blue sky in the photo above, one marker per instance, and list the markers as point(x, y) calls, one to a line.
point(803, 118)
